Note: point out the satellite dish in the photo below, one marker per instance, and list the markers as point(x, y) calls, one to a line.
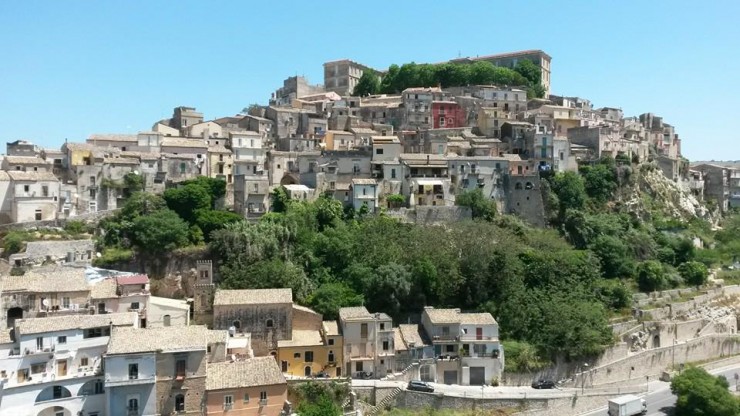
point(45, 302)
point(136, 172)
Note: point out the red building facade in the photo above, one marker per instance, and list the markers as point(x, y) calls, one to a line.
point(447, 115)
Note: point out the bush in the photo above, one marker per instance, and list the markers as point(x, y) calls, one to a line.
point(651, 276)
point(694, 273)
point(14, 242)
point(75, 227)
point(113, 256)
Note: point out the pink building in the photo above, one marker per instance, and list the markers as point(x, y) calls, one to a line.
point(447, 114)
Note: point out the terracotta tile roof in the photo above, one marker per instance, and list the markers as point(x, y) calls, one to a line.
point(105, 289)
point(46, 280)
point(261, 371)
point(129, 138)
point(302, 337)
point(304, 309)
point(454, 316)
point(354, 312)
point(136, 279)
point(477, 319)
point(415, 334)
point(398, 343)
point(218, 336)
point(252, 296)
point(330, 328)
point(19, 175)
point(70, 322)
point(165, 339)
point(182, 142)
point(25, 160)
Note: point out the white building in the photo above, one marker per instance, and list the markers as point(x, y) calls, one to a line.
point(364, 192)
point(368, 342)
point(53, 366)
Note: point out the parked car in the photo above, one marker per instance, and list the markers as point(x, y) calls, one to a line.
point(322, 374)
point(363, 375)
point(416, 385)
point(543, 384)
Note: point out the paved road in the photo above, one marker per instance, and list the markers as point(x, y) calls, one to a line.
point(508, 392)
point(660, 400)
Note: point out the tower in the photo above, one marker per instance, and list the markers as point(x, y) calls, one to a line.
point(203, 293)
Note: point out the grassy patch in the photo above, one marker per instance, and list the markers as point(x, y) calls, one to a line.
point(112, 256)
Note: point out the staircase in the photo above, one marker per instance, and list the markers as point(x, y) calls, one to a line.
point(374, 410)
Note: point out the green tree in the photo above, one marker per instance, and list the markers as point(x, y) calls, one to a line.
point(215, 187)
point(368, 84)
point(693, 273)
point(187, 200)
point(159, 232)
point(329, 297)
point(700, 393)
point(133, 182)
point(530, 71)
point(279, 200)
point(522, 357)
point(614, 256)
point(141, 203)
point(13, 243)
point(388, 288)
point(480, 206)
point(388, 85)
point(600, 180)
point(209, 220)
point(651, 276)
point(571, 191)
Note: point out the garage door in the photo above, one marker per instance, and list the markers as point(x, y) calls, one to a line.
point(450, 377)
point(477, 376)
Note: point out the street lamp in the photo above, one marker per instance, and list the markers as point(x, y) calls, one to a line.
point(583, 380)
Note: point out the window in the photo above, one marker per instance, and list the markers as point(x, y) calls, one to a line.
point(62, 340)
point(44, 190)
point(263, 397)
point(26, 188)
point(83, 362)
point(269, 323)
point(135, 305)
point(246, 398)
point(133, 371)
point(228, 401)
point(65, 302)
point(386, 345)
point(183, 167)
point(180, 403)
point(166, 320)
point(309, 356)
point(363, 330)
point(382, 326)
point(297, 355)
point(331, 341)
point(180, 366)
point(99, 387)
point(38, 368)
point(378, 151)
point(449, 348)
point(39, 343)
point(38, 215)
point(442, 121)
point(393, 173)
point(133, 404)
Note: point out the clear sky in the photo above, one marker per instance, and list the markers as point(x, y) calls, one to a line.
point(72, 68)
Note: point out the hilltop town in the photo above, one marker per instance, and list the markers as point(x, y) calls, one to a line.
point(91, 229)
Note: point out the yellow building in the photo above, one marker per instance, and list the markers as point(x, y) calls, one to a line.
point(220, 162)
point(310, 352)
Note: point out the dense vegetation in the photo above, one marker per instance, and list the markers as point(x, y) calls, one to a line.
point(552, 290)
point(700, 393)
point(526, 74)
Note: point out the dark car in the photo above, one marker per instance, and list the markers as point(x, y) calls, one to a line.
point(420, 386)
point(543, 384)
point(363, 375)
point(321, 374)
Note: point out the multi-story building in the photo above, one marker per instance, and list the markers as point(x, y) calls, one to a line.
point(312, 351)
point(266, 314)
point(447, 114)
point(721, 184)
point(294, 87)
point(466, 346)
point(252, 387)
point(156, 371)
point(342, 76)
point(53, 365)
point(368, 342)
point(417, 104)
point(511, 59)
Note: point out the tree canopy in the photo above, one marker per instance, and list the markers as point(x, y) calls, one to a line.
point(700, 393)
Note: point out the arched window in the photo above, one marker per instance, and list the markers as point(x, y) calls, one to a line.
point(166, 320)
point(133, 405)
point(528, 185)
point(92, 387)
point(269, 323)
point(180, 403)
point(53, 393)
point(331, 356)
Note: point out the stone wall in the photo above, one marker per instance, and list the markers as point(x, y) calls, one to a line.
point(653, 362)
point(89, 218)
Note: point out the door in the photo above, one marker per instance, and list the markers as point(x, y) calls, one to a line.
point(450, 377)
point(307, 371)
point(477, 376)
point(479, 333)
point(284, 366)
point(61, 368)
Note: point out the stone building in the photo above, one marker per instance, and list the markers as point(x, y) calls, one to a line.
point(266, 314)
point(510, 59)
point(253, 387)
point(342, 76)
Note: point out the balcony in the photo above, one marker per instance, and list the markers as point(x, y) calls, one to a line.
point(480, 338)
point(263, 402)
point(445, 338)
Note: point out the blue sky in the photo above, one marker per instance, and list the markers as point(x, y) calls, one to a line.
point(72, 68)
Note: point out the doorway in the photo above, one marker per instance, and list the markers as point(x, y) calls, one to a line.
point(13, 314)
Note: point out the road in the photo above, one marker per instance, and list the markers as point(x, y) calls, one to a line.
point(660, 400)
point(508, 392)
